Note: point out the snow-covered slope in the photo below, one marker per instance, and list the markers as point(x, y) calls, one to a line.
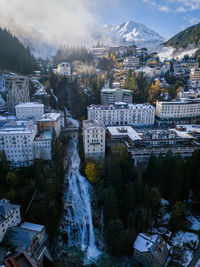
point(132, 32)
point(170, 52)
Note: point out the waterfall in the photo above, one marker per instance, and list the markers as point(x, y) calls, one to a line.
point(78, 216)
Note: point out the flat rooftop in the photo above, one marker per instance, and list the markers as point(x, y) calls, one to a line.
point(46, 135)
point(32, 226)
point(187, 130)
point(50, 117)
point(110, 90)
point(123, 131)
point(92, 123)
point(29, 104)
point(120, 105)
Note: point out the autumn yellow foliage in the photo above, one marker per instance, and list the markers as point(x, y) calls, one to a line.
point(91, 172)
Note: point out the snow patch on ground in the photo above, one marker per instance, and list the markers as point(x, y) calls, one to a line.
point(187, 242)
point(166, 53)
point(189, 52)
point(195, 224)
point(55, 97)
point(169, 53)
point(40, 87)
point(181, 238)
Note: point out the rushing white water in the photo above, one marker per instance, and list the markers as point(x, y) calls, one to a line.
point(79, 225)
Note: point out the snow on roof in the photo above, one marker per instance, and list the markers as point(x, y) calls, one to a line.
point(17, 127)
point(92, 124)
point(124, 131)
point(186, 130)
point(143, 242)
point(120, 105)
point(32, 226)
point(109, 90)
point(50, 117)
point(29, 104)
point(3, 118)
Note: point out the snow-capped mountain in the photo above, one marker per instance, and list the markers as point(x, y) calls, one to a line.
point(132, 32)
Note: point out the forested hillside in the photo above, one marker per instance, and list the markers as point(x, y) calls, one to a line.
point(13, 55)
point(190, 36)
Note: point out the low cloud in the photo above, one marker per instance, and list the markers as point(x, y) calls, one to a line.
point(61, 22)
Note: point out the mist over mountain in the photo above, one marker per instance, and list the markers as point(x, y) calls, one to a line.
point(125, 33)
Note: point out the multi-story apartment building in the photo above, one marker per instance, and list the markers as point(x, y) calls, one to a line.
point(131, 62)
point(184, 110)
point(178, 69)
point(9, 216)
point(64, 69)
point(195, 77)
point(42, 145)
point(50, 121)
point(144, 142)
point(29, 110)
point(122, 114)
point(110, 96)
point(94, 133)
point(17, 91)
point(16, 140)
point(190, 64)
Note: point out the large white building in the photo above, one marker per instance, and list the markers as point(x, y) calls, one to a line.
point(94, 135)
point(122, 114)
point(9, 216)
point(16, 140)
point(184, 110)
point(17, 91)
point(42, 145)
point(29, 110)
point(110, 96)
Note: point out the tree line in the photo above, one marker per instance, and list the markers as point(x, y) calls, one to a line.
point(13, 55)
point(131, 196)
point(43, 177)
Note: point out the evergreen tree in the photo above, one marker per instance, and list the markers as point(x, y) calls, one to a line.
point(14, 56)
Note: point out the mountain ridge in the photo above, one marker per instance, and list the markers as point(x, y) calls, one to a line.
point(133, 32)
point(190, 37)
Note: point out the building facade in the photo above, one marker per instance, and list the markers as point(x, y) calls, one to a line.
point(131, 62)
point(42, 145)
point(195, 77)
point(29, 110)
point(122, 114)
point(64, 69)
point(17, 91)
point(94, 135)
point(16, 140)
point(50, 121)
point(9, 216)
point(110, 96)
point(184, 110)
point(190, 64)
